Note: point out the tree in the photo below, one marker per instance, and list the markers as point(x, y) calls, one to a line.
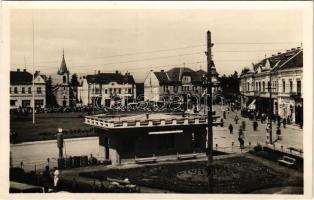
point(50, 98)
point(74, 81)
point(73, 90)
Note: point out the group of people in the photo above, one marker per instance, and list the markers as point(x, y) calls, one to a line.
point(50, 179)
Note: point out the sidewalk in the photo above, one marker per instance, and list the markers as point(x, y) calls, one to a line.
point(292, 136)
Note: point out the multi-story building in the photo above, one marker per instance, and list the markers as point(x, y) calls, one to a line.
point(21, 89)
point(106, 88)
point(275, 82)
point(166, 85)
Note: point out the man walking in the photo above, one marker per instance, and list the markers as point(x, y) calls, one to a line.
point(231, 129)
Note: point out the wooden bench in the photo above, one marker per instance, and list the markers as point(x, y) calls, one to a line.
point(288, 161)
point(122, 182)
point(146, 159)
point(186, 156)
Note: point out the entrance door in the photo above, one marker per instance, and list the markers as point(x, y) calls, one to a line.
point(299, 114)
point(64, 103)
point(107, 102)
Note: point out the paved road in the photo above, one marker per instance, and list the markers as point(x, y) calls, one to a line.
point(292, 136)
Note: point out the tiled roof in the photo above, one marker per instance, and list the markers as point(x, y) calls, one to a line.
point(174, 75)
point(20, 78)
point(63, 67)
point(105, 78)
point(290, 59)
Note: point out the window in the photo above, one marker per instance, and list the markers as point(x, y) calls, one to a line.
point(268, 86)
point(260, 86)
point(106, 91)
point(29, 90)
point(110, 90)
point(291, 86)
point(12, 102)
point(15, 90)
point(23, 90)
point(26, 103)
point(298, 87)
point(10, 90)
point(64, 79)
point(175, 88)
point(248, 87)
point(256, 87)
point(114, 90)
point(130, 91)
point(39, 103)
point(283, 86)
point(263, 86)
point(119, 90)
point(38, 90)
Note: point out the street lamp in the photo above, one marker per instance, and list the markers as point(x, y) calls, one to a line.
point(60, 142)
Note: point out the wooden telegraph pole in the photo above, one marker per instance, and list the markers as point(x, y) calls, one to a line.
point(209, 114)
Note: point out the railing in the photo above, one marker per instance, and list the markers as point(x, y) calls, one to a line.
point(98, 121)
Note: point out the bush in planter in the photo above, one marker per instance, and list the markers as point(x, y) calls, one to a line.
point(258, 148)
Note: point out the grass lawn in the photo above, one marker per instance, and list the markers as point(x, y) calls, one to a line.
point(231, 175)
point(47, 124)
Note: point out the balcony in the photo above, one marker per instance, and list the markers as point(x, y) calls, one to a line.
point(295, 95)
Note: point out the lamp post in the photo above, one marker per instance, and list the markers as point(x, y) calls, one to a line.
point(60, 142)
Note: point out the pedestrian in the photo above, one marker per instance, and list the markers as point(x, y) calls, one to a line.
point(231, 129)
point(56, 174)
point(46, 179)
point(301, 124)
point(236, 118)
point(255, 125)
point(243, 125)
point(278, 132)
point(279, 121)
point(241, 138)
point(284, 122)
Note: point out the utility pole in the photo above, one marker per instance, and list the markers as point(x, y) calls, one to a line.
point(209, 113)
point(270, 110)
point(33, 72)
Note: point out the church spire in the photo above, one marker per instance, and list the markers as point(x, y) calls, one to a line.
point(63, 67)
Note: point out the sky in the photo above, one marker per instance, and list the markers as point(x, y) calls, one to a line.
point(138, 41)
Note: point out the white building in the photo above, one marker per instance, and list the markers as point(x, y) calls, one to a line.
point(179, 81)
point(107, 88)
point(21, 89)
point(283, 72)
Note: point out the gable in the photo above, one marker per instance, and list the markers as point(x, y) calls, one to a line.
point(39, 79)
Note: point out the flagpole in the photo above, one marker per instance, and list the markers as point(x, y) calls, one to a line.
point(33, 73)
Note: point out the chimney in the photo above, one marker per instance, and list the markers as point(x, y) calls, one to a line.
point(293, 49)
point(18, 70)
point(279, 53)
point(24, 70)
point(162, 70)
point(98, 71)
point(117, 72)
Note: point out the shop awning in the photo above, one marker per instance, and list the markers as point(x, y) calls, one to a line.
point(252, 105)
point(165, 132)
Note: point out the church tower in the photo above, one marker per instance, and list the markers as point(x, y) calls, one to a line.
point(63, 72)
point(62, 89)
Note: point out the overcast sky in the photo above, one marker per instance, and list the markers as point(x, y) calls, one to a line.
point(139, 40)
